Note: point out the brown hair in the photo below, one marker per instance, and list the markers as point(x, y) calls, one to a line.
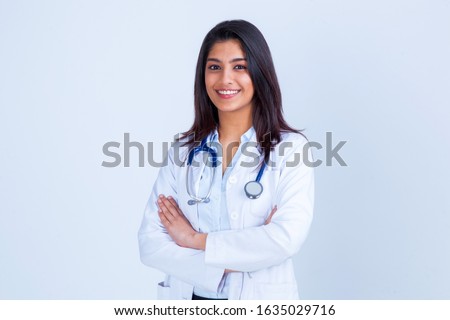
point(268, 120)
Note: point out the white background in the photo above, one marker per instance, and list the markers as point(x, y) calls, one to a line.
point(77, 74)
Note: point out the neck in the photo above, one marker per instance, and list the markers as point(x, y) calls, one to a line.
point(233, 126)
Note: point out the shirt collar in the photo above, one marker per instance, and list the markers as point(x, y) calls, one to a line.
point(250, 134)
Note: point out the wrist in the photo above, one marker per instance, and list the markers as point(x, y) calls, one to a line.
point(199, 241)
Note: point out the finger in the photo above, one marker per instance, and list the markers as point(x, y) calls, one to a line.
point(273, 212)
point(163, 218)
point(163, 204)
point(174, 204)
point(269, 218)
point(171, 206)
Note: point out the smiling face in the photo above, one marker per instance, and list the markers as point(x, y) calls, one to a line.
point(227, 80)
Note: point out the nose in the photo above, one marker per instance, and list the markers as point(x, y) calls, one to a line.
point(227, 75)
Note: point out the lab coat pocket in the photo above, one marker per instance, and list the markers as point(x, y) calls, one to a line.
point(256, 216)
point(163, 291)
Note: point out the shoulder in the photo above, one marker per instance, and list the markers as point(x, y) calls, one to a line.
point(292, 140)
point(178, 147)
point(291, 146)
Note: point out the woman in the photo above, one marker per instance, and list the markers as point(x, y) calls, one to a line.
point(211, 235)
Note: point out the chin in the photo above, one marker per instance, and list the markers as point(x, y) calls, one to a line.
point(230, 107)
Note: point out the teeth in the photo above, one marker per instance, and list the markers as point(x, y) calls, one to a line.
point(228, 91)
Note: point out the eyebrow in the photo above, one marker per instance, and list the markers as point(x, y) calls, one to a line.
point(233, 60)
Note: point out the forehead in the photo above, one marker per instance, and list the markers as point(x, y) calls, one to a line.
point(226, 48)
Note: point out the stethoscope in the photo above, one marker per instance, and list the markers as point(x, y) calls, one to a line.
point(253, 189)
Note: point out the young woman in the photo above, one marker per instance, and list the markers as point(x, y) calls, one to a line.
point(235, 201)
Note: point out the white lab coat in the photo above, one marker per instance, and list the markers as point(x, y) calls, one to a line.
point(261, 253)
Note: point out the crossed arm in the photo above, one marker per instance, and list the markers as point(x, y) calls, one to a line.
point(179, 228)
point(168, 242)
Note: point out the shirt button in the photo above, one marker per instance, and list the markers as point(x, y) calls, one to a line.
point(232, 179)
point(234, 215)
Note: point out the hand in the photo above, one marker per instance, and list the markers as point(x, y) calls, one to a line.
point(178, 226)
point(269, 218)
point(229, 271)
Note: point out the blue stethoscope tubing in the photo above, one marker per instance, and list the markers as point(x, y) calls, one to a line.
point(253, 189)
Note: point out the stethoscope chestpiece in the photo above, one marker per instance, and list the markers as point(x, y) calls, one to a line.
point(253, 189)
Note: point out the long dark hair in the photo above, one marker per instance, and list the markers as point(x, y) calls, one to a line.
point(268, 120)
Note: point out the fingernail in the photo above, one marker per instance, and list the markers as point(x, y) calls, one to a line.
point(169, 197)
point(161, 196)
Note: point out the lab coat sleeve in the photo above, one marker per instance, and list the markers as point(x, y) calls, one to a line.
point(158, 250)
point(255, 248)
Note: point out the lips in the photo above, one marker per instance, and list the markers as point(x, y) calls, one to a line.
point(227, 93)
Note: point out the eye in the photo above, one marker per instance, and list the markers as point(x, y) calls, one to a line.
point(214, 67)
point(240, 67)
